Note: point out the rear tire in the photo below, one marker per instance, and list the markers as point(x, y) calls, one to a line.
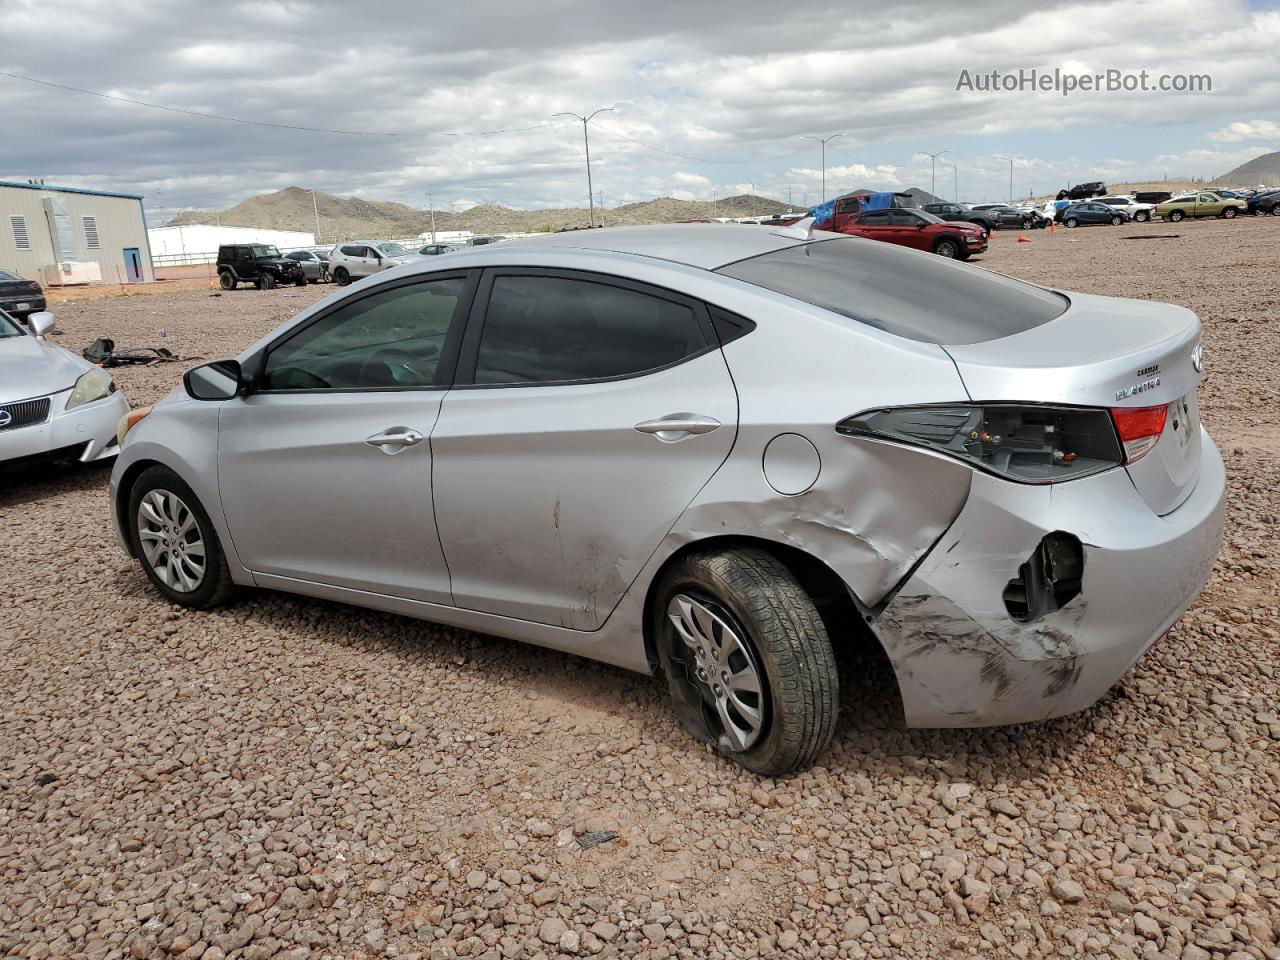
point(174, 540)
point(341, 276)
point(1142, 216)
point(1176, 216)
point(947, 248)
point(744, 622)
point(226, 281)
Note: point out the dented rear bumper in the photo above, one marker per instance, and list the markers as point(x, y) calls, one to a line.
point(962, 660)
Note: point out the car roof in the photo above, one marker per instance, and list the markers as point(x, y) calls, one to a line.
point(704, 245)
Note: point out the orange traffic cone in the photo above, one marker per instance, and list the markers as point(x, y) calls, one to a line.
point(1022, 239)
point(1053, 226)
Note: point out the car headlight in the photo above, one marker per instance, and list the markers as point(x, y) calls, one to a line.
point(91, 385)
point(129, 421)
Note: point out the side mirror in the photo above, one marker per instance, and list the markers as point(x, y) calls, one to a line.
point(220, 380)
point(40, 323)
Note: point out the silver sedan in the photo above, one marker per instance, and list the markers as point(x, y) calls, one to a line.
point(51, 401)
point(696, 450)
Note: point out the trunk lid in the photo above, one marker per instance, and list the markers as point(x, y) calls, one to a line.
point(1106, 352)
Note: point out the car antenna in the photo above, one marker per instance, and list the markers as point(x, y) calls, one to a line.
point(800, 230)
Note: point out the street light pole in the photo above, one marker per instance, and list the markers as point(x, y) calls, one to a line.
point(955, 173)
point(933, 162)
point(586, 145)
point(316, 210)
point(823, 141)
point(431, 208)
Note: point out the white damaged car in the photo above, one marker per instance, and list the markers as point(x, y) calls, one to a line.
point(51, 401)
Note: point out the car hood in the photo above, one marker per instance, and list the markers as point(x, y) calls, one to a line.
point(33, 368)
point(959, 225)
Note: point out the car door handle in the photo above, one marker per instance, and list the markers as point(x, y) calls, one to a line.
point(678, 426)
point(395, 439)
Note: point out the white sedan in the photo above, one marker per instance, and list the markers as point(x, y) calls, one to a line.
point(51, 401)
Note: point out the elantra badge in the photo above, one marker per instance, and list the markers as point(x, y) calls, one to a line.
point(1197, 358)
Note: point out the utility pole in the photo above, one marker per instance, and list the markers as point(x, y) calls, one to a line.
point(933, 161)
point(586, 145)
point(1010, 159)
point(823, 141)
point(431, 207)
point(600, 204)
point(315, 209)
point(955, 173)
point(788, 196)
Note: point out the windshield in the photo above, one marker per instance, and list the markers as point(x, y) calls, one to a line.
point(392, 250)
point(6, 276)
point(8, 328)
point(930, 299)
point(265, 251)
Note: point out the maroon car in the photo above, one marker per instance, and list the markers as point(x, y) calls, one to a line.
point(921, 230)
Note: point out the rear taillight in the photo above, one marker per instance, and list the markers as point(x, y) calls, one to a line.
point(1139, 429)
point(32, 285)
point(1030, 444)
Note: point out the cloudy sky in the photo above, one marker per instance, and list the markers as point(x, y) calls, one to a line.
point(708, 98)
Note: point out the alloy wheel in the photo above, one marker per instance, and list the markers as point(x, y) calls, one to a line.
point(722, 668)
point(170, 539)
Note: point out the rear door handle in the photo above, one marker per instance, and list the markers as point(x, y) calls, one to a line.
point(395, 439)
point(678, 426)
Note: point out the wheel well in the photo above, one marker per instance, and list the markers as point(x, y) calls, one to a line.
point(836, 603)
point(125, 487)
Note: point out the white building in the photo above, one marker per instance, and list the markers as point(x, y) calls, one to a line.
point(199, 242)
point(60, 235)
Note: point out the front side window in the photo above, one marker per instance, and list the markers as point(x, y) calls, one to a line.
point(392, 338)
point(551, 329)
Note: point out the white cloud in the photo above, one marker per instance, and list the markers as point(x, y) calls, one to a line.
point(691, 179)
point(1264, 130)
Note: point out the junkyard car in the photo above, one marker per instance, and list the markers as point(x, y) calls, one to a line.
point(718, 454)
point(20, 297)
point(314, 263)
point(1138, 212)
point(1091, 212)
point(351, 261)
point(1202, 204)
point(51, 401)
point(257, 263)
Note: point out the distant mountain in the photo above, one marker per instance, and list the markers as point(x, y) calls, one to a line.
point(350, 218)
point(1263, 169)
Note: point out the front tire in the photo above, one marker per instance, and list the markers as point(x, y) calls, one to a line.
point(342, 276)
point(1071, 222)
point(947, 248)
point(1229, 213)
point(175, 541)
point(267, 281)
point(1117, 220)
point(747, 658)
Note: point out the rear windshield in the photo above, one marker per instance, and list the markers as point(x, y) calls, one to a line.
point(926, 298)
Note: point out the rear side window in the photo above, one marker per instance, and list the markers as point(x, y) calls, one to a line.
point(924, 298)
point(540, 329)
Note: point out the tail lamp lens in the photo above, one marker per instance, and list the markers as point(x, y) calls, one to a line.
point(1139, 429)
point(1029, 444)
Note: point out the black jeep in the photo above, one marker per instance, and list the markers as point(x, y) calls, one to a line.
point(256, 263)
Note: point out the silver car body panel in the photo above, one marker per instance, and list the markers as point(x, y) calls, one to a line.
point(32, 369)
point(900, 526)
point(959, 658)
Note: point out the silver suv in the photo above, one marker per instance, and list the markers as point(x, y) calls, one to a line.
point(351, 261)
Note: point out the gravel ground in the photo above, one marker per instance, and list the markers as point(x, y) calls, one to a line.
point(291, 778)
